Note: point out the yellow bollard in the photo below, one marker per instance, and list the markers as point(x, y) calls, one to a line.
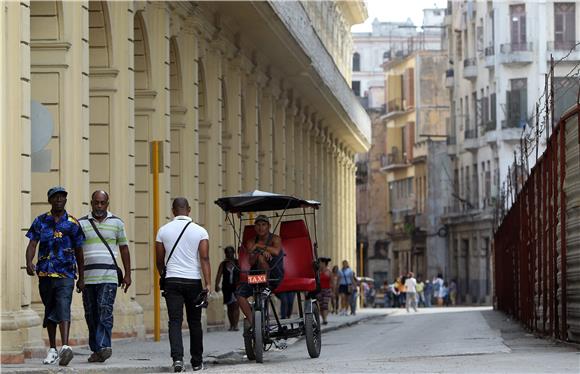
point(156, 292)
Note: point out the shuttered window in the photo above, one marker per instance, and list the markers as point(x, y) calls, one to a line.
point(564, 25)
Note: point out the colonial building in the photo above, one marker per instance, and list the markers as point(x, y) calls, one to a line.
point(386, 41)
point(241, 95)
point(499, 53)
point(415, 162)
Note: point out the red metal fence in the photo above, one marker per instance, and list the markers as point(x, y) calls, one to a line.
point(530, 246)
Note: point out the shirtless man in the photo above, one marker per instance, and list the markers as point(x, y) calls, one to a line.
point(265, 252)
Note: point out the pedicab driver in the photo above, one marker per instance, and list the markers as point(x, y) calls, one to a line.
point(265, 252)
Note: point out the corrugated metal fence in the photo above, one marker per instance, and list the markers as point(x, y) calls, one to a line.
point(537, 246)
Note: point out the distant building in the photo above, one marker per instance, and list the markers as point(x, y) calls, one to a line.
point(498, 55)
point(386, 41)
point(415, 163)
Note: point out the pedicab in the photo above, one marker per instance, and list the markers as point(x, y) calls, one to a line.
point(301, 270)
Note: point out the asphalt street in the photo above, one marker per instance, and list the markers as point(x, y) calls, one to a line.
point(438, 340)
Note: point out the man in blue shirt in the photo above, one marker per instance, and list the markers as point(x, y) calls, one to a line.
point(59, 257)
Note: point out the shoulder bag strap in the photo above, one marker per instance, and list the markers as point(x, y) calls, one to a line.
point(177, 241)
point(103, 240)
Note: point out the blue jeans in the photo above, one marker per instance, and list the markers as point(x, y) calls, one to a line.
point(98, 300)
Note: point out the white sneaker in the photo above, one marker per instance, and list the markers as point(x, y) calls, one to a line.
point(51, 357)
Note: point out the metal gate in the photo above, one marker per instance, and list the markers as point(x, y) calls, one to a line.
point(537, 246)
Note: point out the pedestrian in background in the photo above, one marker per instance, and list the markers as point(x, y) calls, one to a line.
point(325, 291)
point(420, 292)
point(411, 291)
point(60, 255)
point(445, 294)
point(229, 274)
point(334, 283)
point(345, 287)
point(286, 304)
point(453, 292)
point(105, 238)
point(438, 289)
point(182, 255)
point(353, 297)
point(428, 293)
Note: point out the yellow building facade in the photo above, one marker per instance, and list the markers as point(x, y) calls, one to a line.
point(241, 95)
point(416, 162)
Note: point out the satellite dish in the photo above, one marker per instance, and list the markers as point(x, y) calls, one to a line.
point(42, 126)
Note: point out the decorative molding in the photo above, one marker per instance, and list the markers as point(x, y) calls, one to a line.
point(63, 46)
point(145, 93)
point(103, 72)
point(178, 109)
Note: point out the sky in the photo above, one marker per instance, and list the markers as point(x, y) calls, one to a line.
point(396, 10)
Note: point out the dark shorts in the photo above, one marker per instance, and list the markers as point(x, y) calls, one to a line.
point(56, 295)
point(229, 295)
point(274, 280)
point(343, 288)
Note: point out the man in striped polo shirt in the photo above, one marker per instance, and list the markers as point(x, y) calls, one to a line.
point(101, 280)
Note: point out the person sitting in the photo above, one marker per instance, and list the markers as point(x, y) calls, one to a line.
point(265, 253)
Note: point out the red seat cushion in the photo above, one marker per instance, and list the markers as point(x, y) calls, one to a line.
point(298, 262)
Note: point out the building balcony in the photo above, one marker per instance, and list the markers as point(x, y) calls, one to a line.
point(490, 57)
point(395, 107)
point(570, 50)
point(471, 143)
point(470, 68)
point(511, 130)
point(449, 78)
point(393, 161)
point(516, 53)
point(487, 127)
point(421, 221)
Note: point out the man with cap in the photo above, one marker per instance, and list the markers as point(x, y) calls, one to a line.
point(60, 256)
point(265, 253)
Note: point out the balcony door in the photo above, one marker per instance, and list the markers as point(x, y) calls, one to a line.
point(564, 25)
point(518, 27)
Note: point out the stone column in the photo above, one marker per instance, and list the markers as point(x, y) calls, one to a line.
point(211, 149)
point(280, 139)
point(265, 145)
point(291, 112)
point(307, 194)
point(128, 313)
point(250, 134)
point(188, 49)
point(298, 155)
point(74, 132)
point(232, 139)
point(20, 331)
point(321, 186)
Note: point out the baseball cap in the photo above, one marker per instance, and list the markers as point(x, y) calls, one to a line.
point(55, 190)
point(262, 218)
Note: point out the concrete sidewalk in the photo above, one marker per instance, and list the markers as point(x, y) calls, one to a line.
point(147, 356)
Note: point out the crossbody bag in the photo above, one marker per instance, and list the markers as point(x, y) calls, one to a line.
point(164, 272)
point(119, 271)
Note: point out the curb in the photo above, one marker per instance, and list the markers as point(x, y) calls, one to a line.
point(209, 360)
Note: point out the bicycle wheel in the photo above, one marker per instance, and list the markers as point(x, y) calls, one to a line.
point(313, 331)
point(249, 346)
point(258, 337)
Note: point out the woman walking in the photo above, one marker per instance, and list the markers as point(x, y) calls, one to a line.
point(326, 289)
point(334, 289)
point(229, 269)
point(346, 285)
